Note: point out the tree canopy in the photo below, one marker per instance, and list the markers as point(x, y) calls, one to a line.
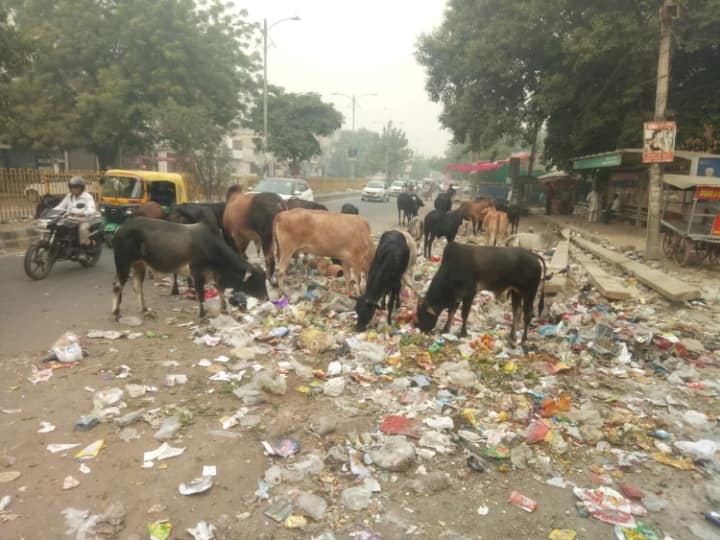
point(101, 72)
point(294, 123)
point(584, 69)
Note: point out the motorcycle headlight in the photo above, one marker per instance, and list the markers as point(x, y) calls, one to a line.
point(102, 209)
point(128, 212)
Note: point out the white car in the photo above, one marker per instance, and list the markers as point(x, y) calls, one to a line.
point(374, 191)
point(396, 188)
point(286, 188)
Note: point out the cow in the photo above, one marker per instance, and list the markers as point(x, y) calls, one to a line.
point(189, 213)
point(466, 268)
point(495, 224)
point(513, 212)
point(349, 208)
point(531, 240)
point(415, 228)
point(388, 270)
point(295, 202)
point(474, 211)
point(325, 234)
point(45, 202)
point(232, 190)
point(249, 217)
point(150, 210)
point(166, 247)
point(408, 205)
point(437, 224)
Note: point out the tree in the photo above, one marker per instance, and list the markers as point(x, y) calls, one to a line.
point(364, 142)
point(391, 154)
point(294, 122)
point(102, 68)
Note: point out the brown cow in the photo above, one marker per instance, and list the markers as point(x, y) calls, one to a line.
point(475, 211)
point(249, 217)
point(495, 224)
point(326, 234)
point(149, 210)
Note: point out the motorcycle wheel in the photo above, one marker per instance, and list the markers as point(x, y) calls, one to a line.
point(38, 261)
point(93, 256)
point(109, 239)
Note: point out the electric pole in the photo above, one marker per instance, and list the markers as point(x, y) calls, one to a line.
point(353, 158)
point(668, 12)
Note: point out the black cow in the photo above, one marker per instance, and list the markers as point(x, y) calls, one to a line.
point(295, 202)
point(385, 277)
point(349, 208)
point(513, 212)
point(189, 213)
point(408, 205)
point(166, 247)
point(465, 268)
point(437, 224)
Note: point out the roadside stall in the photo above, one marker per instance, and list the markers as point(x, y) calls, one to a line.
point(691, 218)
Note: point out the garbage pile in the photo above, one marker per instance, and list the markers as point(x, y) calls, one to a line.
point(601, 393)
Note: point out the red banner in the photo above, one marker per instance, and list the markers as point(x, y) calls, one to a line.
point(707, 193)
point(715, 231)
point(659, 142)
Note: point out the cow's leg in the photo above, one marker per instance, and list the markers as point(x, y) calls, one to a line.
point(393, 303)
point(221, 291)
point(121, 276)
point(175, 290)
point(451, 315)
point(138, 278)
point(269, 259)
point(516, 298)
point(282, 266)
point(466, 306)
point(199, 279)
point(528, 301)
point(400, 220)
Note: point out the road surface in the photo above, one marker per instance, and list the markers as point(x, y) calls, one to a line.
point(35, 313)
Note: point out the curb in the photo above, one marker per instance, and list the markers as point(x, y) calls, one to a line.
point(18, 239)
point(333, 196)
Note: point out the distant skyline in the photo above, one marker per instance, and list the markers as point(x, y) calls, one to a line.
point(357, 48)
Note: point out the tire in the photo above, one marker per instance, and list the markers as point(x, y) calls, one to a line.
point(32, 196)
point(683, 250)
point(109, 239)
point(94, 257)
point(38, 262)
point(668, 244)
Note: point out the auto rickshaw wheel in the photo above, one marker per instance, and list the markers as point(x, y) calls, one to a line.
point(713, 255)
point(668, 243)
point(683, 250)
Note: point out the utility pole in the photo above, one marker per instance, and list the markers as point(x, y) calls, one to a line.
point(353, 98)
point(668, 12)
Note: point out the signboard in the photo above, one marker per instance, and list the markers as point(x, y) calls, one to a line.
point(715, 230)
point(659, 142)
point(597, 162)
point(707, 193)
point(708, 166)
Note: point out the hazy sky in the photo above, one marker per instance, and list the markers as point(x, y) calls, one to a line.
point(357, 47)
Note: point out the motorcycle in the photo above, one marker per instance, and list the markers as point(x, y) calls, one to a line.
point(59, 242)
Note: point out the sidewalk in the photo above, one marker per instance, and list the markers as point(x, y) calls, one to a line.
point(622, 235)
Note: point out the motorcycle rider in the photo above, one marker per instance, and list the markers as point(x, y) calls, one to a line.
point(79, 206)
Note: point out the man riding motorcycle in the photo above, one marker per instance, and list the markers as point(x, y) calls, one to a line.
point(79, 206)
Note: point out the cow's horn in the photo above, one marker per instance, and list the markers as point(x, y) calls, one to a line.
point(247, 277)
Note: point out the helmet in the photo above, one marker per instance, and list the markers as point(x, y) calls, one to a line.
point(77, 181)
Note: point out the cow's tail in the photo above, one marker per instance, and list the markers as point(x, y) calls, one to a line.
point(543, 277)
point(275, 238)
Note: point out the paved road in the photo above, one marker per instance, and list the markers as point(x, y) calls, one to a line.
point(34, 313)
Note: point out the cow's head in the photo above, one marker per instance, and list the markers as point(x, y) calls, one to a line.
point(427, 316)
point(252, 282)
point(365, 310)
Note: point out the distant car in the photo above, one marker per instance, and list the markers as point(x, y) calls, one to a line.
point(374, 191)
point(396, 188)
point(34, 191)
point(285, 187)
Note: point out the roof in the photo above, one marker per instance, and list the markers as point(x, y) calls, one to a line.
point(679, 153)
point(554, 175)
point(682, 181)
point(147, 175)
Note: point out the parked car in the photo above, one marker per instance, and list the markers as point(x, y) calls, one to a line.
point(396, 188)
point(34, 191)
point(374, 191)
point(285, 187)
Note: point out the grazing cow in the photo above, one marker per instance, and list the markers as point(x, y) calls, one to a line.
point(325, 234)
point(150, 210)
point(349, 208)
point(189, 213)
point(415, 228)
point(495, 224)
point(437, 224)
point(408, 205)
point(530, 240)
point(466, 268)
point(474, 211)
point(513, 212)
point(249, 217)
point(388, 268)
point(295, 202)
point(166, 247)
point(443, 202)
point(47, 201)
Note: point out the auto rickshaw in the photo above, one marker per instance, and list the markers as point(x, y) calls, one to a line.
point(123, 191)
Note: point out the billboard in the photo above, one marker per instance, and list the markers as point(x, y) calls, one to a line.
point(659, 142)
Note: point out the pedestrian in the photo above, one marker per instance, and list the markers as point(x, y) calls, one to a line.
point(593, 198)
point(614, 208)
point(548, 199)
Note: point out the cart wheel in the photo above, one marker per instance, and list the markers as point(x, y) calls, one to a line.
point(668, 244)
point(702, 250)
point(682, 251)
point(713, 254)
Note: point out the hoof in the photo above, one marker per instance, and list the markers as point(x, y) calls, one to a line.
point(149, 314)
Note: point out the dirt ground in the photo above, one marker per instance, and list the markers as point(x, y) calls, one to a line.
point(397, 511)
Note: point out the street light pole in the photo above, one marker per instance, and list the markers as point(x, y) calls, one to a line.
point(265, 81)
point(652, 240)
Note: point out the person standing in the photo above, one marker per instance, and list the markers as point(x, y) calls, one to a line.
point(594, 200)
point(614, 208)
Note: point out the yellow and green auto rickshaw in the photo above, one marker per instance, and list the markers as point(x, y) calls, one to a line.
point(123, 191)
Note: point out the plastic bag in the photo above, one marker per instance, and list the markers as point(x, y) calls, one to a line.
point(67, 348)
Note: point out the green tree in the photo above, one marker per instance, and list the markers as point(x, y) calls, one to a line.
point(101, 69)
point(391, 153)
point(363, 142)
point(294, 122)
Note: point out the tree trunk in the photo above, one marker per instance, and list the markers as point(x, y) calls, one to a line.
point(533, 146)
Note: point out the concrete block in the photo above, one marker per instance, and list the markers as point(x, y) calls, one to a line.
point(608, 285)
